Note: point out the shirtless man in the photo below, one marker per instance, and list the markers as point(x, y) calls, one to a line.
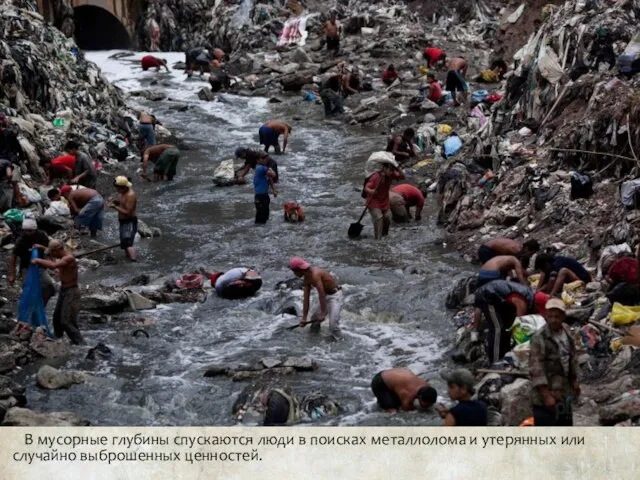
point(499, 267)
point(147, 129)
point(456, 79)
point(329, 296)
point(270, 132)
point(87, 206)
point(506, 246)
point(65, 315)
point(165, 158)
point(399, 388)
point(332, 32)
point(126, 203)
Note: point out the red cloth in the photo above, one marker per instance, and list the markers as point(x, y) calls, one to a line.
point(623, 270)
point(149, 62)
point(380, 199)
point(412, 196)
point(436, 92)
point(494, 97)
point(58, 164)
point(389, 77)
point(433, 54)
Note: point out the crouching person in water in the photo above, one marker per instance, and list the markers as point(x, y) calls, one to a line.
point(399, 388)
point(237, 283)
point(65, 315)
point(329, 296)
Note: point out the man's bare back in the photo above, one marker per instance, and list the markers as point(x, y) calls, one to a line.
point(320, 276)
point(82, 196)
point(504, 246)
point(505, 264)
point(146, 118)
point(331, 29)
point(458, 64)
point(404, 383)
point(277, 126)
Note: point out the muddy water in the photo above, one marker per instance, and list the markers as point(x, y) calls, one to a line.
point(389, 318)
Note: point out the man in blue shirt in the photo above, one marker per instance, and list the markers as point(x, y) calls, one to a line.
point(557, 270)
point(261, 182)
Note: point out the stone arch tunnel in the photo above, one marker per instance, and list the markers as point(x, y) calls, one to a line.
point(98, 24)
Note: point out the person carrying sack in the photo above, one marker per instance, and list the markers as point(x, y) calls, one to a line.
point(377, 191)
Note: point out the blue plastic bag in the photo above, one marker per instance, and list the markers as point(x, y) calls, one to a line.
point(479, 95)
point(452, 145)
point(31, 308)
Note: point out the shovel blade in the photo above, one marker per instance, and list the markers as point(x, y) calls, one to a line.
point(355, 229)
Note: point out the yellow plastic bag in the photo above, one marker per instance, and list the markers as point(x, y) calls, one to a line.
point(444, 129)
point(423, 70)
point(423, 163)
point(623, 315)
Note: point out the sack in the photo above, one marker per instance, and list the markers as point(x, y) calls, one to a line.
point(525, 326)
point(31, 308)
point(58, 208)
point(293, 212)
point(189, 280)
point(624, 315)
point(376, 161)
point(581, 186)
point(224, 174)
point(32, 195)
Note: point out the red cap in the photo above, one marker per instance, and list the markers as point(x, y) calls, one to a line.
point(65, 189)
point(541, 300)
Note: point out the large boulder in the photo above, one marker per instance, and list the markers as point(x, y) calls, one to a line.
point(627, 407)
point(23, 417)
point(49, 348)
point(54, 223)
point(295, 81)
point(105, 302)
point(54, 379)
point(516, 402)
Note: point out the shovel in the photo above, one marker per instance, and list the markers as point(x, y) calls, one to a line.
point(355, 229)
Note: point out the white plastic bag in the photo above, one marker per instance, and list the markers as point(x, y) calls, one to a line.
point(224, 174)
point(549, 65)
point(377, 160)
point(525, 326)
point(58, 208)
point(31, 194)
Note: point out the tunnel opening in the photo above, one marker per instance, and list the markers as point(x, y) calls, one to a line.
point(98, 29)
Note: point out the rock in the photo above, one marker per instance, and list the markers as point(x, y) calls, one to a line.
point(627, 407)
point(106, 302)
point(301, 364)
point(366, 116)
point(300, 56)
point(275, 100)
point(12, 354)
point(427, 105)
point(144, 230)
point(516, 402)
point(295, 81)
point(206, 94)
point(138, 302)
point(53, 379)
point(216, 371)
point(7, 325)
point(54, 223)
point(251, 375)
point(23, 417)
point(271, 362)
point(48, 348)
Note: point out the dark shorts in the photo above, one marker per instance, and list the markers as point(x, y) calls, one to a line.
point(486, 276)
point(333, 43)
point(128, 230)
point(246, 288)
point(485, 254)
point(387, 398)
point(268, 137)
point(167, 163)
point(455, 82)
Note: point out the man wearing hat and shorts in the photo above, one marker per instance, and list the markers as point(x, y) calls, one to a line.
point(467, 412)
point(329, 296)
point(65, 315)
point(553, 362)
point(125, 204)
point(30, 238)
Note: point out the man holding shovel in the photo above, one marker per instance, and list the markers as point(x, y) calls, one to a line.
point(377, 191)
point(329, 296)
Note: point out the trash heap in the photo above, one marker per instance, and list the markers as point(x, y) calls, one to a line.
point(51, 94)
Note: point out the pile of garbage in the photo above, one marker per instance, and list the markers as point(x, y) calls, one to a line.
point(51, 94)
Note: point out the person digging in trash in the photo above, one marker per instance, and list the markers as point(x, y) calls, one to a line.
point(435, 57)
point(399, 388)
point(62, 166)
point(30, 238)
point(198, 57)
point(456, 79)
point(84, 171)
point(350, 84)
point(165, 157)
point(553, 363)
point(377, 192)
point(270, 132)
point(499, 268)
point(403, 146)
point(413, 197)
point(329, 296)
point(125, 204)
point(434, 89)
point(506, 246)
point(65, 315)
point(332, 35)
point(500, 302)
point(558, 270)
point(147, 129)
point(467, 412)
point(390, 75)
point(330, 93)
point(149, 61)
point(251, 157)
point(87, 206)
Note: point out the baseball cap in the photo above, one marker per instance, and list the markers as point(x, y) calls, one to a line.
point(53, 246)
point(29, 224)
point(298, 263)
point(65, 189)
point(556, 303)
point(461, 377)
point(122, 181)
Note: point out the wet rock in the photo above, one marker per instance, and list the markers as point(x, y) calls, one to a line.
point(627, 407)
point(295, 81)
point(54, 223)
point(23, 417)
point(206, 95)
point(271, 362)
point(301, 364)
point(106, 302)
point(99, 351)
point(146, 231)
point(252, 375)
point(275, 100)
point(53, 379)
point(516, 402)
point(49, 348)
point(290, 284)
point(12, 353)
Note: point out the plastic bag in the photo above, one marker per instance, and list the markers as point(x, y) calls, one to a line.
point(549, 65)
point(377, 160)
point(31, 308)
point(13, 215)
point(525, 326)
point(452, 145)
point(58, 208)
point(623, 315)
point(224, 174)
point(31, 194)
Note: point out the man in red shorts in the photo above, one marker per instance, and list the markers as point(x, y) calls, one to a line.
point(149, 61)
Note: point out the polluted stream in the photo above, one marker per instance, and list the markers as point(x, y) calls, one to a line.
point(393, 312)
